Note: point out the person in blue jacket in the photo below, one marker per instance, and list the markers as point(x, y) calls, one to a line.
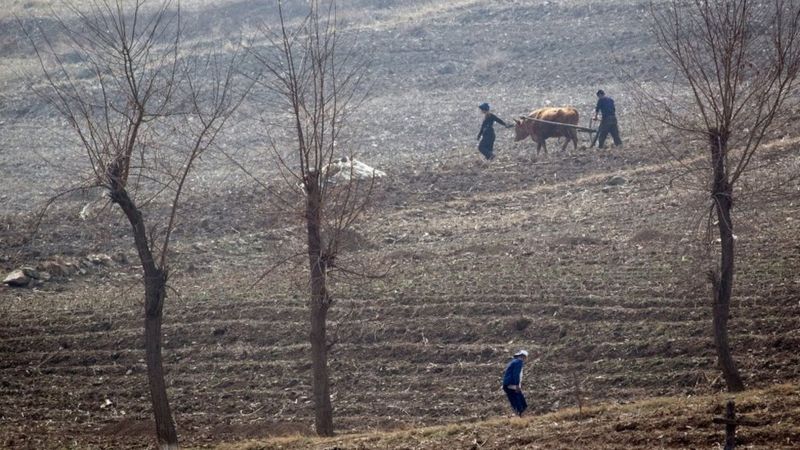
point(512, 382)
point(608, 124)
point(486, 134)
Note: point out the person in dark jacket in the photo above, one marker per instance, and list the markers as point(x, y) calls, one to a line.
point(608, 124)
point(486, 135)
point(512, 382)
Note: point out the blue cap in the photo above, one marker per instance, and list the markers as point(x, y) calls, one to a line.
point(483, 106)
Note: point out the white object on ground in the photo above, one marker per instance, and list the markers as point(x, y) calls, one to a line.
point(348, 169)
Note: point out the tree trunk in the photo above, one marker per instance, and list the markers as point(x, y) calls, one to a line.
point(155, 284)
point(722, 195)
point(323, 414)
point(319, 304)
point(155, 293)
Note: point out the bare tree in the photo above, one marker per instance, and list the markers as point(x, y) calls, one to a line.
point(739, 60)
point(144, 115)
point(316, 77)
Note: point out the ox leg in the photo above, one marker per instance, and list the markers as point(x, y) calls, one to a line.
point(538, 145)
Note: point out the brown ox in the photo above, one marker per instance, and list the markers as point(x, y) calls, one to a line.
point(540, 131)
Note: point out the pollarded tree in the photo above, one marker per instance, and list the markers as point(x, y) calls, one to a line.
point(314, 76)
point(740, 61)
point(145, 114)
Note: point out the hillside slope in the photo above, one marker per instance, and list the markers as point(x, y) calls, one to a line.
point(669, 422)
point(601, 285)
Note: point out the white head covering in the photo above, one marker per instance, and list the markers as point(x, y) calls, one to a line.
point(521, 353)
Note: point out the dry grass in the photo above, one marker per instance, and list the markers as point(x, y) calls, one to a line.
point(668, 422)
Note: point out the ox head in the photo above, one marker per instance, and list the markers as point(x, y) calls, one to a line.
point(521, 130)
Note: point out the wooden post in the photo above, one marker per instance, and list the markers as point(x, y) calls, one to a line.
point(731, 422)
point(730, 427)
point(578, 394)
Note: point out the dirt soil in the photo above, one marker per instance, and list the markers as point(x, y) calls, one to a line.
point(604, 285)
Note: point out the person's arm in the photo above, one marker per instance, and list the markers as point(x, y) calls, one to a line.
point(483, 125)
point(500, 121)
point(596, 110)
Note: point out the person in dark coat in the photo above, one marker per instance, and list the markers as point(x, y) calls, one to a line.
point(608, 123)
point(486, 135)
point(512, 382)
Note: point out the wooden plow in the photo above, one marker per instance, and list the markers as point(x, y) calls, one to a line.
point(568, 125)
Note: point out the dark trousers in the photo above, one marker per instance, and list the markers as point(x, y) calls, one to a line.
point(486, 146)
point(608, 126)
point(516, 399)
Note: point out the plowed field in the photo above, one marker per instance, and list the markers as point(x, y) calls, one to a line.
point(604, 285)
